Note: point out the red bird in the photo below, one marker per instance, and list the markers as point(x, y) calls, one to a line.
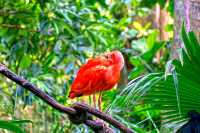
point(98, 74)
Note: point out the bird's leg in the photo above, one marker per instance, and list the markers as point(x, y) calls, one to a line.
point(94, 100)
point(99, 105)
point(99, 100)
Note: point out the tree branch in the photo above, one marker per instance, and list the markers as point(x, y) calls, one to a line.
point(18, 27)
point(77, 108)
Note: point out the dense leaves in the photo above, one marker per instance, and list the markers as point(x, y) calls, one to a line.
point(47, 41)
point(174, 93)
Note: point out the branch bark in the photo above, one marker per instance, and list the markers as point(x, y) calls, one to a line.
point(77, 108)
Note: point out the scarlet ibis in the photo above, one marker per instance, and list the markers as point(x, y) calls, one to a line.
point(98, 74)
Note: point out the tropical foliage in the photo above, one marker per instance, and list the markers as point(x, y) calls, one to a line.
point(175, 92)
point(47, 41)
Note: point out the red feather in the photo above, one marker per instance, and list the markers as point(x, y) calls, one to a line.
point(98, 74)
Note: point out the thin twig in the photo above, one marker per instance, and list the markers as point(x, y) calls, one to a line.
point(18, 27)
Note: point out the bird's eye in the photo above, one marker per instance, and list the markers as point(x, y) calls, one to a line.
point(106, 56)
point(112, 55)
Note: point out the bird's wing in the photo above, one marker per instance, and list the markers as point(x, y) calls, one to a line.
point(90, 80)
point(94, 62)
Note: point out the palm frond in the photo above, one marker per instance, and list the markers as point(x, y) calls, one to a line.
point(174, 94)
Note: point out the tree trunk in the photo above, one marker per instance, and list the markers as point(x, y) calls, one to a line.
point(161, 20)
point(187, 11)
point(195, 16)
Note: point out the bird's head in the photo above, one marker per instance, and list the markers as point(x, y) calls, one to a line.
point(117, 58)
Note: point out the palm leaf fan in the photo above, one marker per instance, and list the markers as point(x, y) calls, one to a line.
point(174, 94)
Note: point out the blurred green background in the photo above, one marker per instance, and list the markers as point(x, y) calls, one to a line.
point(46, 41)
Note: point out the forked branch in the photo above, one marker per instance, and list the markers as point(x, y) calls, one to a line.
point(78, 109)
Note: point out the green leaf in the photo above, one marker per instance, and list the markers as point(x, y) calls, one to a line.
point(25, 61)
point(48, 60)
point(11, 126)
point(21, 121)
point(152, 39)
point(3, 48)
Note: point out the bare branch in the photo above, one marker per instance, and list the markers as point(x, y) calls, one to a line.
point(77, 108)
